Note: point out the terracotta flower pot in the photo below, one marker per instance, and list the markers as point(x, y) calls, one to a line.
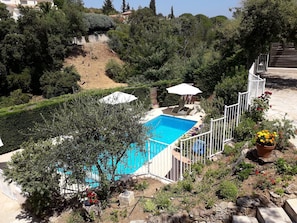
point(264, 151)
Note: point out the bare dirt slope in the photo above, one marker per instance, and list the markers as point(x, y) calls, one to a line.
point(90, 64)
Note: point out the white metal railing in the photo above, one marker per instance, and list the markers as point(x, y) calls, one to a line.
point(201, 147)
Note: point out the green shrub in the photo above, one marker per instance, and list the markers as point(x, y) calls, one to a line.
point(149, 206)
point(286, 130)
point(113, 70)
point(279, 191)
point(187, 185)
point(285, 168)
point(142, 186)
point(245, 130)
point(162, 201)
point(114, 216)
point(210, 203)
point(229, 150)
point(75, 217)
point(58, 83)
point(228, 190)
point(244, 170)
point(197, 167)
point(16, 97)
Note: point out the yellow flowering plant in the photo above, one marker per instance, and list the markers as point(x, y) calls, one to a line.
point(266, 137)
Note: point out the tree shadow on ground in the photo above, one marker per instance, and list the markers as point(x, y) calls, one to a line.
point(77, 50)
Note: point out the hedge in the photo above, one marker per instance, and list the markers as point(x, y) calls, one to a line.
point(15, 120)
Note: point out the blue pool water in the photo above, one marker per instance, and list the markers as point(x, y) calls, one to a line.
point(165, 129)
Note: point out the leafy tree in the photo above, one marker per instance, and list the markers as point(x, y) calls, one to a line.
point(59, 3)
point(108, 8)
point(7, 24)
point(229, 87)
point(264, 22)
point(73, 10)
point(19, 81)
point(35, 170)
point(13, 52)
point(3, 80)
point(103, 133)
point(59, 82)
point(83, 135)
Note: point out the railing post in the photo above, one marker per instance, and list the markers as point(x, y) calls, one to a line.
point(149, 156)
point(238, 108)
point(180, 162)
point(211, 137)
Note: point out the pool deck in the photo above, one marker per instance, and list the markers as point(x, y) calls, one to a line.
point(197, 114)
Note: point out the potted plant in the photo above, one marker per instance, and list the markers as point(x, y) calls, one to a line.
point(265, 142)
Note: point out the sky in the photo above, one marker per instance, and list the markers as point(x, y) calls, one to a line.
point(209, 8)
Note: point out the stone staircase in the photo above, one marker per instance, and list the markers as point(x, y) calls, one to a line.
point(283, 55)
point(287, 214)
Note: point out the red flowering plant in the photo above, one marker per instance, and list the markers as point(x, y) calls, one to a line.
point(92, 197)
point(260, 105)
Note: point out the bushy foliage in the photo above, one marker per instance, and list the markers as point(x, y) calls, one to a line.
point(16, 97)
point(98, 22)
point(39, 178)
point(245, 130)
point(229, 87)
point(286, 131)
point(285, 168)
point(58, 83)
point(228, 190)
point(243, 170)
point(113, 70)
point(259, 106)
point(20, 81)
point(37, 42)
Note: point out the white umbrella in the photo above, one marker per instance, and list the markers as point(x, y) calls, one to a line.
point(118, 98)
point(184, 89)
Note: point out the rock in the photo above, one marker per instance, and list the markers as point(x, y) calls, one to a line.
point(291, 189)
point(248, 202)
point(274, 195)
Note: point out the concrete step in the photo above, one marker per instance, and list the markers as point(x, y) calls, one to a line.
point(291, 208)
point(243, 219)
point(272, 215)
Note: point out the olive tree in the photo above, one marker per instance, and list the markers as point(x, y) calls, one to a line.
point(86, 136)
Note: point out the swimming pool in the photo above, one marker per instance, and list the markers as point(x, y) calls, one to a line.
point(165, 129)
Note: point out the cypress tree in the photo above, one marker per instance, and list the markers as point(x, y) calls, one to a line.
point(171, 15)
point(153, 6)
point(124, 9)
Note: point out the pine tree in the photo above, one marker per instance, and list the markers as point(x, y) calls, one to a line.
point(153, 6)
point(107, 7)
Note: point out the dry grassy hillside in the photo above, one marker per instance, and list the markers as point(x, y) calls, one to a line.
point(90, 64)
